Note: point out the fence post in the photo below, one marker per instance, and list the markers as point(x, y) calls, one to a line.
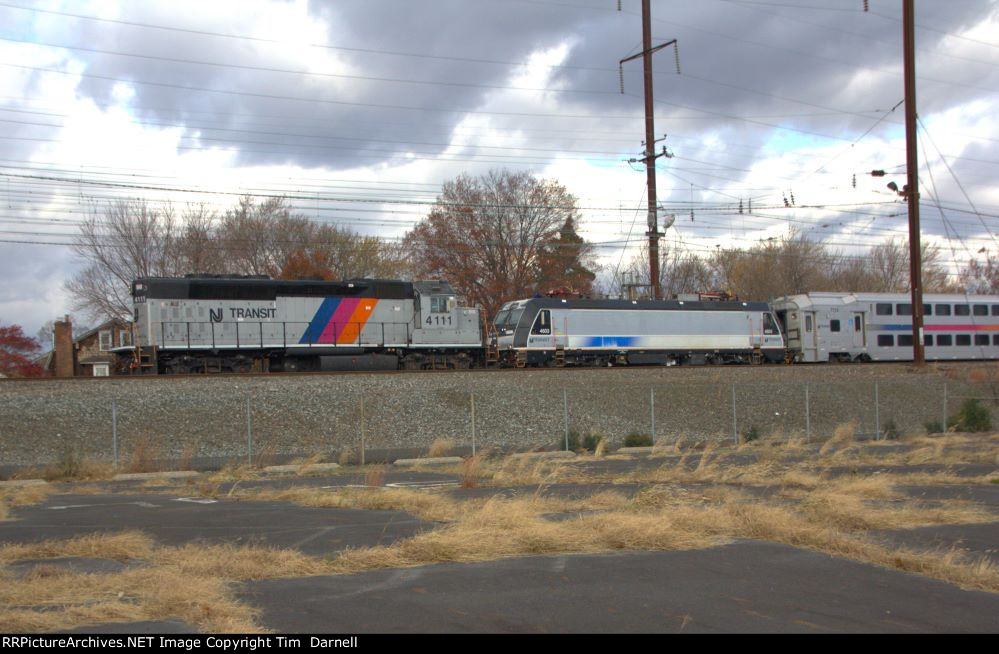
point(565, 407)
point(808, 416)
point(362, 431)
point(877, 414)
point(114, 430)
point(249, 434)
point(735, 424)
point(943, 425)
point(472, 397)
point(652, 405)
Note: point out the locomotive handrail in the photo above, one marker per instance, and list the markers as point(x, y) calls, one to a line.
point(190, 337)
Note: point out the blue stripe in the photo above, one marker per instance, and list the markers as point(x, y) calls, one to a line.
point(609, 341)
point(892, 328)
point(320, 320)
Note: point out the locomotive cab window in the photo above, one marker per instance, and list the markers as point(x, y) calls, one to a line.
point(440, 304)
point(543, 323)
point(769, 325)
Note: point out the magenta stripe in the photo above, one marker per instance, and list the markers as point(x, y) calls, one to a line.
point(340, 318)
point(962, 328)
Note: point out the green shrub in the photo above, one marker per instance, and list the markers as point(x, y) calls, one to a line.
point(752, 434)
point(574, 441)
point(933, 427)
point(591, 441)
point(636, 439)
point(889, 431)
point(971, 417)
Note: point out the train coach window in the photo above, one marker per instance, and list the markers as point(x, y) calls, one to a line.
point(995, 339)
point(886, 340)
point(856, 323)
point(995, 309)
point(543, 323)
point(962, 310)
point(903, 309)
point(834, 325)
point(981, 339)
point(963, 339)
point(945, 340)
point(981, 309)
point(928, 340)
point(943, 309)
point(808, 324)
point(927, 309)
point(882, 309)
point(905, 340)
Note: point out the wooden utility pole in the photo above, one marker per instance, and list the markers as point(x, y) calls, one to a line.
point(912, 192)
point(650, 144)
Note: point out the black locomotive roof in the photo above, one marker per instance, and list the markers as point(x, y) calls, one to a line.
point(257, 288)
point(649, 305)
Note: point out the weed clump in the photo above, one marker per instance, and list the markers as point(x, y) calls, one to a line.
point(933, 427)
point(751, 434)
point(889, 430)
point(971, 417)
point(637, 439)
point(593, 441)
point(440, 447)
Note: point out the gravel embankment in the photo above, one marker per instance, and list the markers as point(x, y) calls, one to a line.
point(206, 417)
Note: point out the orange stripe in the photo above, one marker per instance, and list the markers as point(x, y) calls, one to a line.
point(357, 320)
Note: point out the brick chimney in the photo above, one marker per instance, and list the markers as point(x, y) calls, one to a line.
point(65, 363)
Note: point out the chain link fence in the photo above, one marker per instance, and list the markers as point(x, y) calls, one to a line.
point(212, 422)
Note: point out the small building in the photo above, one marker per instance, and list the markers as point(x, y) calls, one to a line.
point(89, 354)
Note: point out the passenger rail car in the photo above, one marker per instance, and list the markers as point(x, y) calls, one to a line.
point(198, 324)
point(559, 331)
point(878, 326)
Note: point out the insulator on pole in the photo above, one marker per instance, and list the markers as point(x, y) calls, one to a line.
point(620, 76)
point(676, 55)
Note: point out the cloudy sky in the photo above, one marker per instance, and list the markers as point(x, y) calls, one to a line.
point(361, 109)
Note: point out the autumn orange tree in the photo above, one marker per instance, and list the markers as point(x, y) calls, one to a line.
point(16, 350)
point(502, 236)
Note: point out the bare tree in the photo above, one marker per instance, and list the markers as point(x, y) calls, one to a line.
point(680, 271)
point(489, 236)
point(981, 276)
point(129, 239)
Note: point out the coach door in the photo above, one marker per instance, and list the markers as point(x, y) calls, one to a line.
point(859, 337)
point(809, 336)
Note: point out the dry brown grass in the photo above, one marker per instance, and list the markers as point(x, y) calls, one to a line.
point(440, 447)
point(346, 456)
point(189, 583)
point(14, 496)
point(471, 470)
point(430, 506)
point(145, 456)
point(186, 458)
point(374, 475)
point(842, 439)
point(73, 467)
